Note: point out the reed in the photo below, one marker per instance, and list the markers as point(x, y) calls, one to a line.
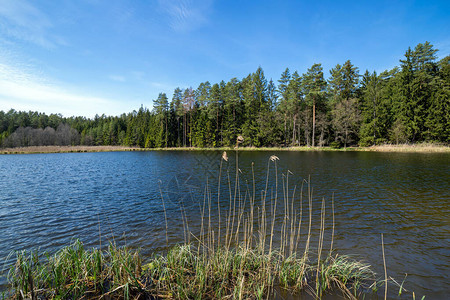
point(256, 245)
point(74, 272)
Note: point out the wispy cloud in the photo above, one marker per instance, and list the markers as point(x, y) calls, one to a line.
point(158, 84)
point(186, 15)
point(444, 48)
point(138, 75)
point(118, 78)
point(21, 20)
point(21, 90)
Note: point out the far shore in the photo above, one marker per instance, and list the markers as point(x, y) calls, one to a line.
point(65, 149)
point(413, 148)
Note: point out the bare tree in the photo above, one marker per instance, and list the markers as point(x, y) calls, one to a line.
point(27, 136)
point(346, 119)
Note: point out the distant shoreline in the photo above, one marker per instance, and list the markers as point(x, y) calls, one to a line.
point(419, 148)
point(65, 149)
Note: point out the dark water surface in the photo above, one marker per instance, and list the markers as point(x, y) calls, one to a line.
point(47, 200)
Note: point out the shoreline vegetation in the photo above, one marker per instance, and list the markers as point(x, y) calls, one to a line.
point(185, 272)
point(401, 148)
point(256, 246)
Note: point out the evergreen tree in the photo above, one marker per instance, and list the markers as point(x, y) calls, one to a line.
point(161, 109)
point(283, 92)
point(350, 80)
point(188, 102)
point(178, 112)
point(232, 112)
point(343, 88)
point(437, 121)
point(203, 93)
point(214, 109)
point(417, 87)
point(371, 106)
point(294, 104)
point(314, 86)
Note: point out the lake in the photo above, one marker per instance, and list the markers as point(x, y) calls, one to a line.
point(47, 200)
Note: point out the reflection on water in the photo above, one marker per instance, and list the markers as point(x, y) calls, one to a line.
point(46, 200)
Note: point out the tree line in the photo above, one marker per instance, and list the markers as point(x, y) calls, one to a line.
point(407, 104)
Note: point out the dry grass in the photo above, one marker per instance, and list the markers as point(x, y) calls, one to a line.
point(419, 148)
point(65, 149)
point(411, 148)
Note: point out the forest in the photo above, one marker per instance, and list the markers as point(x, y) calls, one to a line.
point(408, 104)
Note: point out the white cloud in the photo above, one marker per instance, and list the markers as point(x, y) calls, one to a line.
point(118, 78)
point(24, 91)
point(160, 85)
point(186, 15)
point(21, 20)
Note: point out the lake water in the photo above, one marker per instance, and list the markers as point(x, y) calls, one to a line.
point(47, 200)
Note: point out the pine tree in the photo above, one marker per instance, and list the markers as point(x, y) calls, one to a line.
point(283, 92)
point(188, 102)
point(417, 86)
point(161, 109)
point(437, 121)
point(370, 105)
point(232, 112)
point(214, 108)
point(177, 110)
point(376, 106)
point(343, 88)
point(295, 102)
point(314, 89)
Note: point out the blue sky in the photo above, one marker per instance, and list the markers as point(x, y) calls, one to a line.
point(90, 57)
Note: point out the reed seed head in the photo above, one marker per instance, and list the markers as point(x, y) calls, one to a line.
point(225, 156)
point(274, 158)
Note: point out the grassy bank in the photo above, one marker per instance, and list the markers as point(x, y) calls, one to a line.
point(402, 148)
